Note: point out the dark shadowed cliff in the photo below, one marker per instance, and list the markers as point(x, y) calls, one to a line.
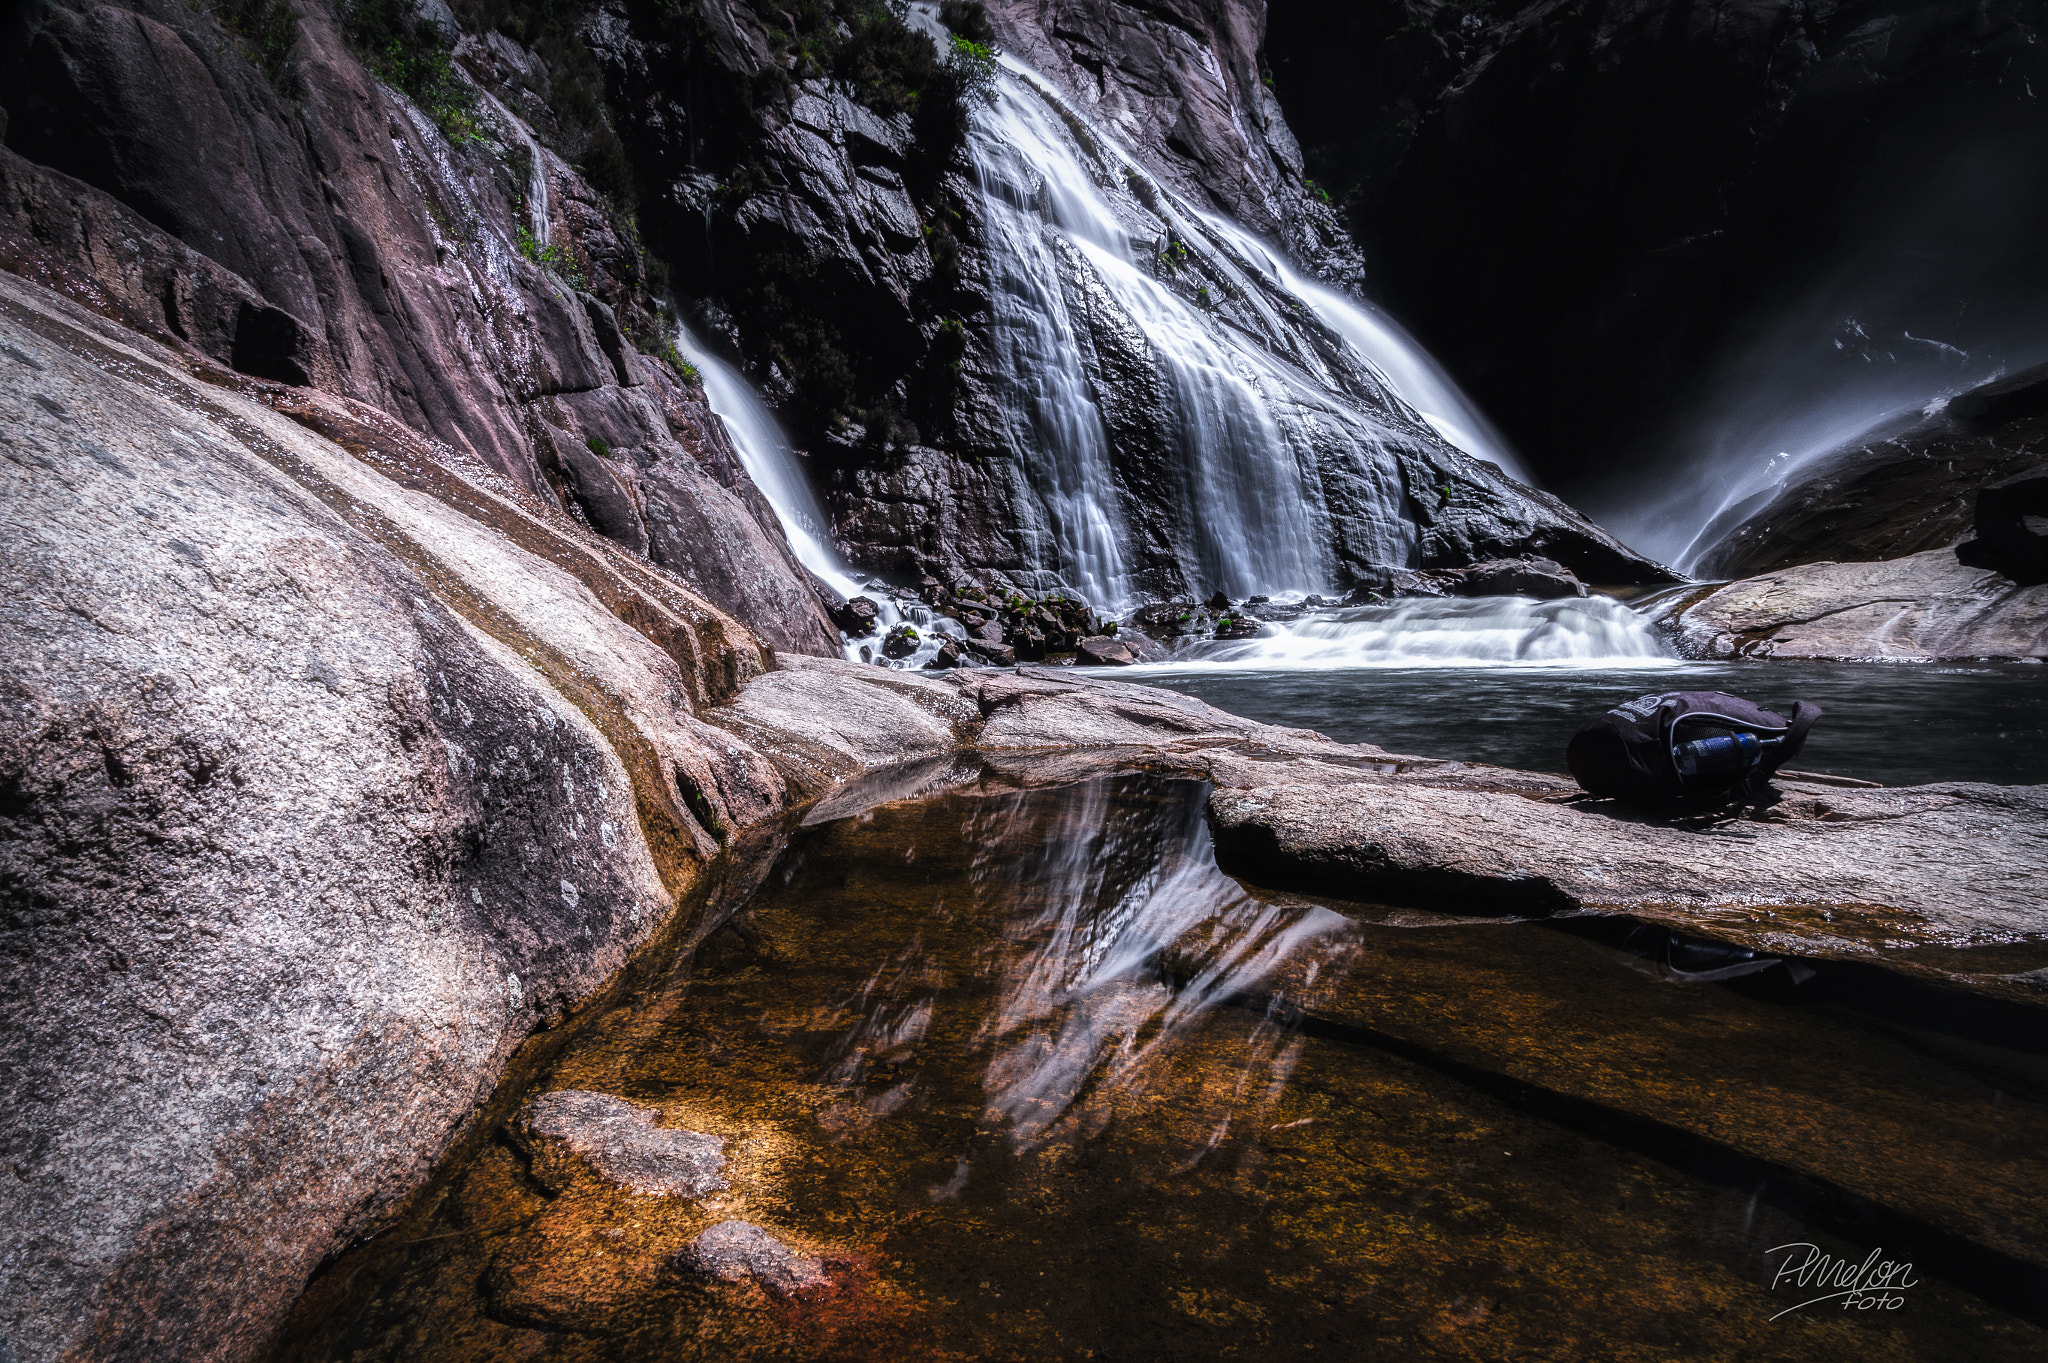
point(1619, 220)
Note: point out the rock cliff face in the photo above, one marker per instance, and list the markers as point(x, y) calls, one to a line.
point(1638, 195)
point(333, 768)
point(1904, 488)
point(282, 211)
point(1183, 84)
point(848, 247)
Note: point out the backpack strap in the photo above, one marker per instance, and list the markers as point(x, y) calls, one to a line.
point(1804, 713)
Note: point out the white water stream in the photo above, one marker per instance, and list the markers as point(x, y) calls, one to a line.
point(1259, 425)
point(1593, 631)
point(777, 469)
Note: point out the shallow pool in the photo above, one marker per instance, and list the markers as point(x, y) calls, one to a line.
point(1897, 724)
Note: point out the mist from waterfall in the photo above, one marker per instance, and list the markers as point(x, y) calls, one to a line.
point(1936, 287)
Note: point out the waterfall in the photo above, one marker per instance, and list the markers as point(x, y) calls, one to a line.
point(1395, 356)
point(1255, 427)
point(777, 470)
point(1189, 413)
point(771, 461)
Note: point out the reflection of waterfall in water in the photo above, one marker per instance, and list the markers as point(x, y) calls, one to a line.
point(1396, 356)
point(1116, 899)
point(1591, 631)
point(1119, 956)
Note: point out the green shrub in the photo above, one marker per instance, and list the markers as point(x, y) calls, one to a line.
point(973, 67)
point(268, 30)
point(411, 55)
point(550, 257)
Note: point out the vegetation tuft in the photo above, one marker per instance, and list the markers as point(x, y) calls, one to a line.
point(268, 30)
point(411, 54)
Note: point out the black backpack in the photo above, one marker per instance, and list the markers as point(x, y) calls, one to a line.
point(1640, 752)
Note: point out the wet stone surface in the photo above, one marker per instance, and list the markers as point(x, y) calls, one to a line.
point(619, 1142)
point(734, 1251)
point(1012, 1071)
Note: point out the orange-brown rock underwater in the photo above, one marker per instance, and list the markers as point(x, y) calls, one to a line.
point(1003, 1067)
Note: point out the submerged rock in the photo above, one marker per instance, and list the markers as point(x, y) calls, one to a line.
point(734, 1251)
point(619, 1142)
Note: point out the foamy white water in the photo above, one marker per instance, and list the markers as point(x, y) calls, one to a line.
point(1593, 631)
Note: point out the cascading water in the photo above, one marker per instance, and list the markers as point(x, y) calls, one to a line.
point(777, 470)
point(1394, 355)
point(1261, 432)
point(1275, 450)
point(1593, 631)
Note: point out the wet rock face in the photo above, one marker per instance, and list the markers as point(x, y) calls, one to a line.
point(1915, 609)
point(619, 1142)
point(329, 777)
point(1184, 83)
point(1541, 578)
point(338, 239)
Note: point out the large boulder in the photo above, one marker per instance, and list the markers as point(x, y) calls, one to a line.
point(2012, 531)
point(474, 288)
point(1919, 608)
point(1830, 869)
point(329, 778)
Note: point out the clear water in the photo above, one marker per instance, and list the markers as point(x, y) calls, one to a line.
point(1893, 724)
point(1035, 1081)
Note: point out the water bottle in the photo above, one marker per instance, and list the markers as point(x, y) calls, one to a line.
point(1724, 754)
